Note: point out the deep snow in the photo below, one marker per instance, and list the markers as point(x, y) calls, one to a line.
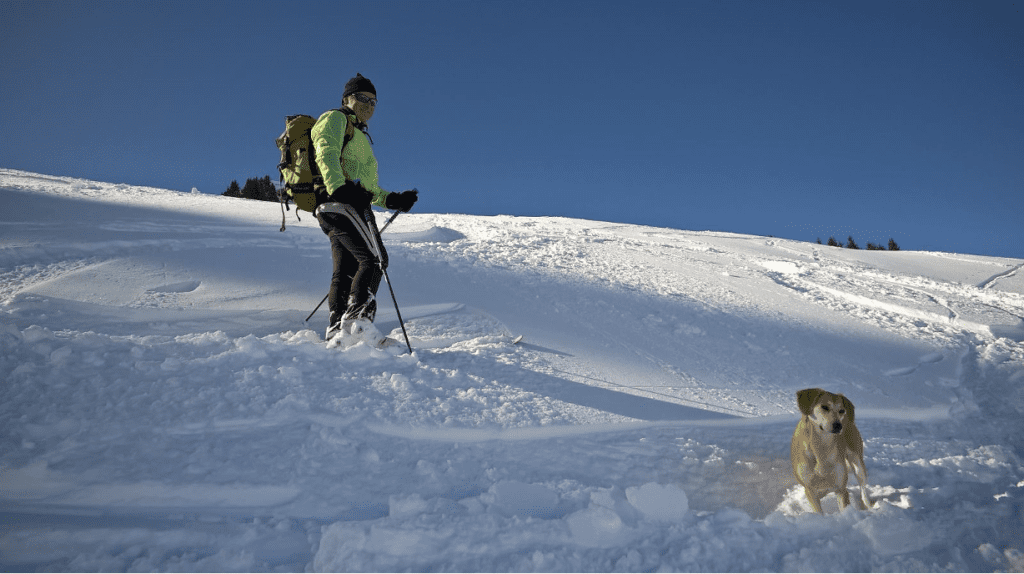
point(165, 407)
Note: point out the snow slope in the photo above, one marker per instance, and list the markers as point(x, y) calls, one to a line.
point(165, 407)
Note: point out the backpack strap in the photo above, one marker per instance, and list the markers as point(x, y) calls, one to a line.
point(350, 132)
point(353, 121)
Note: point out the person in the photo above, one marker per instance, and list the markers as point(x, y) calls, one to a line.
point(348, 170)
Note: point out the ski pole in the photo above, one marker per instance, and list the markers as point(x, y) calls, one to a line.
point(318, 306)
point(384, 271)
point(397, 312)
point(386, 224)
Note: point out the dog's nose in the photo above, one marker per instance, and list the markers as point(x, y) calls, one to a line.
point(837, 427)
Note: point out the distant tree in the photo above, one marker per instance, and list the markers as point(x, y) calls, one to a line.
point(261, 189)
point(851, 244)
point(269, 191)
point(233, 190)
point(251, 188)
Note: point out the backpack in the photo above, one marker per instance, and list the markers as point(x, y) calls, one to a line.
point(299, 172)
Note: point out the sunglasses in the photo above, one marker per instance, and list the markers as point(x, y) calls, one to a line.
point(366, 99)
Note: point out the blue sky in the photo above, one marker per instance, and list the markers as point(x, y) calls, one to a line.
point(801, 120)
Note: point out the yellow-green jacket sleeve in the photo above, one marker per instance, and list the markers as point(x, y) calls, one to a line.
point(355, 162)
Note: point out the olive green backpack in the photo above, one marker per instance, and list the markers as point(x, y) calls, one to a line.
point(299, 173)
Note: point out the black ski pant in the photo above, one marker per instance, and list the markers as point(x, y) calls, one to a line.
point(357, 270)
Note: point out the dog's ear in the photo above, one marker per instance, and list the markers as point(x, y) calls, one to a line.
point(806, 398)
point(848, 406)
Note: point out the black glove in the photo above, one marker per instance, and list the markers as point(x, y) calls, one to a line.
point(353, 194)
point(402, 201)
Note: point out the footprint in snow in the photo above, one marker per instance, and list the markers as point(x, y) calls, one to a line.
point(182, 287)
point(904, 371)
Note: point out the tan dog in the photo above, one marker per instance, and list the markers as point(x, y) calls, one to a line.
point(826, 447)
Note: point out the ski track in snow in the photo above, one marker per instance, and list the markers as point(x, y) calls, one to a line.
point(165, 407)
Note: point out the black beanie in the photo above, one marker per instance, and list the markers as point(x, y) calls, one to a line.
point(358, 84)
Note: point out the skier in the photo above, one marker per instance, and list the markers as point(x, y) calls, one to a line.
point(349, 171)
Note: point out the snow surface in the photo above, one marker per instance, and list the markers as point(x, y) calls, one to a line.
point(165, 406)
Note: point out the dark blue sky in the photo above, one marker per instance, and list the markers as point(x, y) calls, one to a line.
point(802, 120)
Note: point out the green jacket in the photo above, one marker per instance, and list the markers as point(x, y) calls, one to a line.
point(355, 162)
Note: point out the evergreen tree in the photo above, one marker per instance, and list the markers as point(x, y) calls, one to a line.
point(267, 189)
point(261, 189)
point(851, 244)
point(233, 190)
point(251, 189)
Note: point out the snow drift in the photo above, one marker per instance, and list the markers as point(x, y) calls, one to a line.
point(165, 406)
